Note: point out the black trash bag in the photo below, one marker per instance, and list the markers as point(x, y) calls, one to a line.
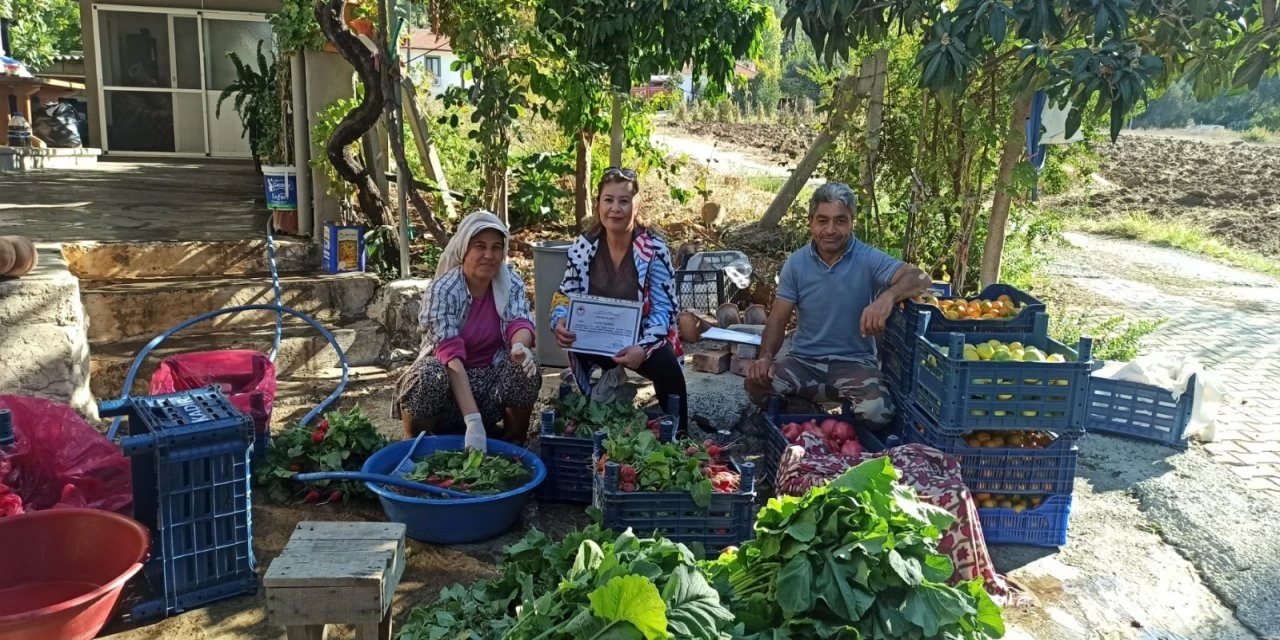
point(56, 124)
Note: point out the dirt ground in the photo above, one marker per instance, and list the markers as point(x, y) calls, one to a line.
point(784, 142)
point(1229, 188)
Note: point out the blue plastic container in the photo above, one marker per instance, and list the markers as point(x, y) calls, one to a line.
point(189, 453)
point(1136, 410)
point(1024, 322)
point(281, 187)
point(439, 521)
point(1000, 469)
point(1044, 526)
point(969, 395)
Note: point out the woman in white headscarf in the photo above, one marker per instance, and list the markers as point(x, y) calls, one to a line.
point(476, 365)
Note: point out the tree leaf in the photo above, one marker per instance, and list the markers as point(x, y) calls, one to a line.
point(794, 586)
point(631, 599)
point(693, 607)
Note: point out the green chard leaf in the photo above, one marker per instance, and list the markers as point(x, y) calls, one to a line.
point(795, 581)
point(634, 600)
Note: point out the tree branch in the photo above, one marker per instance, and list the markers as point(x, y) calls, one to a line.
point(359, 120)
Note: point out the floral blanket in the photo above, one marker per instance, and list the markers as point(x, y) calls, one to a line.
point(933, 474)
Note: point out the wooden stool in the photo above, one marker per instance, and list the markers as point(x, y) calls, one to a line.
point(336, 573)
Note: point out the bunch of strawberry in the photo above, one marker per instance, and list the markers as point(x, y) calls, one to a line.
point(645, 464)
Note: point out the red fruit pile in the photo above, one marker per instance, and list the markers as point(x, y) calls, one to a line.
point(837, 436)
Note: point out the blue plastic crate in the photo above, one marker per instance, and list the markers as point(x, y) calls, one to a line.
point(1024, 322)
point(896, 365)
point(1044, 526)
point(729, 519)
point(1136, 410)
point(968, 395)
point(1050, 470)
point(568, 460)
point(776, 443)
point(190, 454)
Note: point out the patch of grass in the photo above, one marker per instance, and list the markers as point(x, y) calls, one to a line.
point(1170, 233)
point(1257, 134)
point(772, 184)
point(1114, 338)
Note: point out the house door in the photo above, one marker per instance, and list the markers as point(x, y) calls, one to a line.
point(161, 71)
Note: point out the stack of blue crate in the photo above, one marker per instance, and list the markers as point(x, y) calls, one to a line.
point(1012, 424)
point(190, 455)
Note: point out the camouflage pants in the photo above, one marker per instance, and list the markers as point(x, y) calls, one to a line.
point(831, 381)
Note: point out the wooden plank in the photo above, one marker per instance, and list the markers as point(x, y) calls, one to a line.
point(332, 605)
point(308, 632)
point(348, 531)
point(313, 547)
point(427, 147)
point(353, 569)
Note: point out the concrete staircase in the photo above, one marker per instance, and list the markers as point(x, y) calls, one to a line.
point(133, 291)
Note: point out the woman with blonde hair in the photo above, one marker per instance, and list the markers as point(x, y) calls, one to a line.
point(476, 365)
point(620, 258)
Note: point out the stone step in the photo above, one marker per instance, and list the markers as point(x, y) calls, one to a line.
point(303, 352)
point(126, 260)
point(121, 311)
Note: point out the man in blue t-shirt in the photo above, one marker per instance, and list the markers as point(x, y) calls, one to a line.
point(831, 283)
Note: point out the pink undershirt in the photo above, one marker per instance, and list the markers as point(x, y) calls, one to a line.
point(481, 335)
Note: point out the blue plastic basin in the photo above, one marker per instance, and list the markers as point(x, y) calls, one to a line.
point(439, 521)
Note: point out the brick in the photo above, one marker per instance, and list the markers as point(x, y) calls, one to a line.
point(739, 366)
point(716, 361)
point(1259, 458)
point(746, 351)
point(1222, 446)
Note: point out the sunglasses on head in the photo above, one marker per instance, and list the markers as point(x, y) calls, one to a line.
point(627, 174)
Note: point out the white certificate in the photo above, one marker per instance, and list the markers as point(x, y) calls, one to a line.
point(604, 326)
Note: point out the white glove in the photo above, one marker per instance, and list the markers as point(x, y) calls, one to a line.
point(524, 357)
point(475, 437)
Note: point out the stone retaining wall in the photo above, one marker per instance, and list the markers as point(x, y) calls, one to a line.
point(44, 350)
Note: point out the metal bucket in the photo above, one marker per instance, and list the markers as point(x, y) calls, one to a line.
point(550, 257)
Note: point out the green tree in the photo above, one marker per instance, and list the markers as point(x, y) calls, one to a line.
point(42, 29)
point(766, 87)
point(654, 37)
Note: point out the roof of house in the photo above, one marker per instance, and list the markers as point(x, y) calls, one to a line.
point(425, 40)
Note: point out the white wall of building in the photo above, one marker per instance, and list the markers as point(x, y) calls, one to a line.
point(420, 62)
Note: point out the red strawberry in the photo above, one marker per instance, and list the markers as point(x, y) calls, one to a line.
point(714, 450)
point(335, 496)
point(317, 436)
point(311, 496)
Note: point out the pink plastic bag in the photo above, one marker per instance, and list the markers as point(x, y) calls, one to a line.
point(243, 374)
point(60, 461)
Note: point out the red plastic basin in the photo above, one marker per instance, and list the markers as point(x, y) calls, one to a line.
point(62, 570)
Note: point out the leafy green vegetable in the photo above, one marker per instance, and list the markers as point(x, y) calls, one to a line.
point(686, 465)
point(606, 588)
point(631, 599)
point(581, 416)
point(339, 442)
point(470, 471)
point(854, 559)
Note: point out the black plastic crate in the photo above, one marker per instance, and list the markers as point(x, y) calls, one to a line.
point(700, 290)
point(1051, 470)
point(966, 395)
point(1137, 410)
point(775, 443)
point(190, 455)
